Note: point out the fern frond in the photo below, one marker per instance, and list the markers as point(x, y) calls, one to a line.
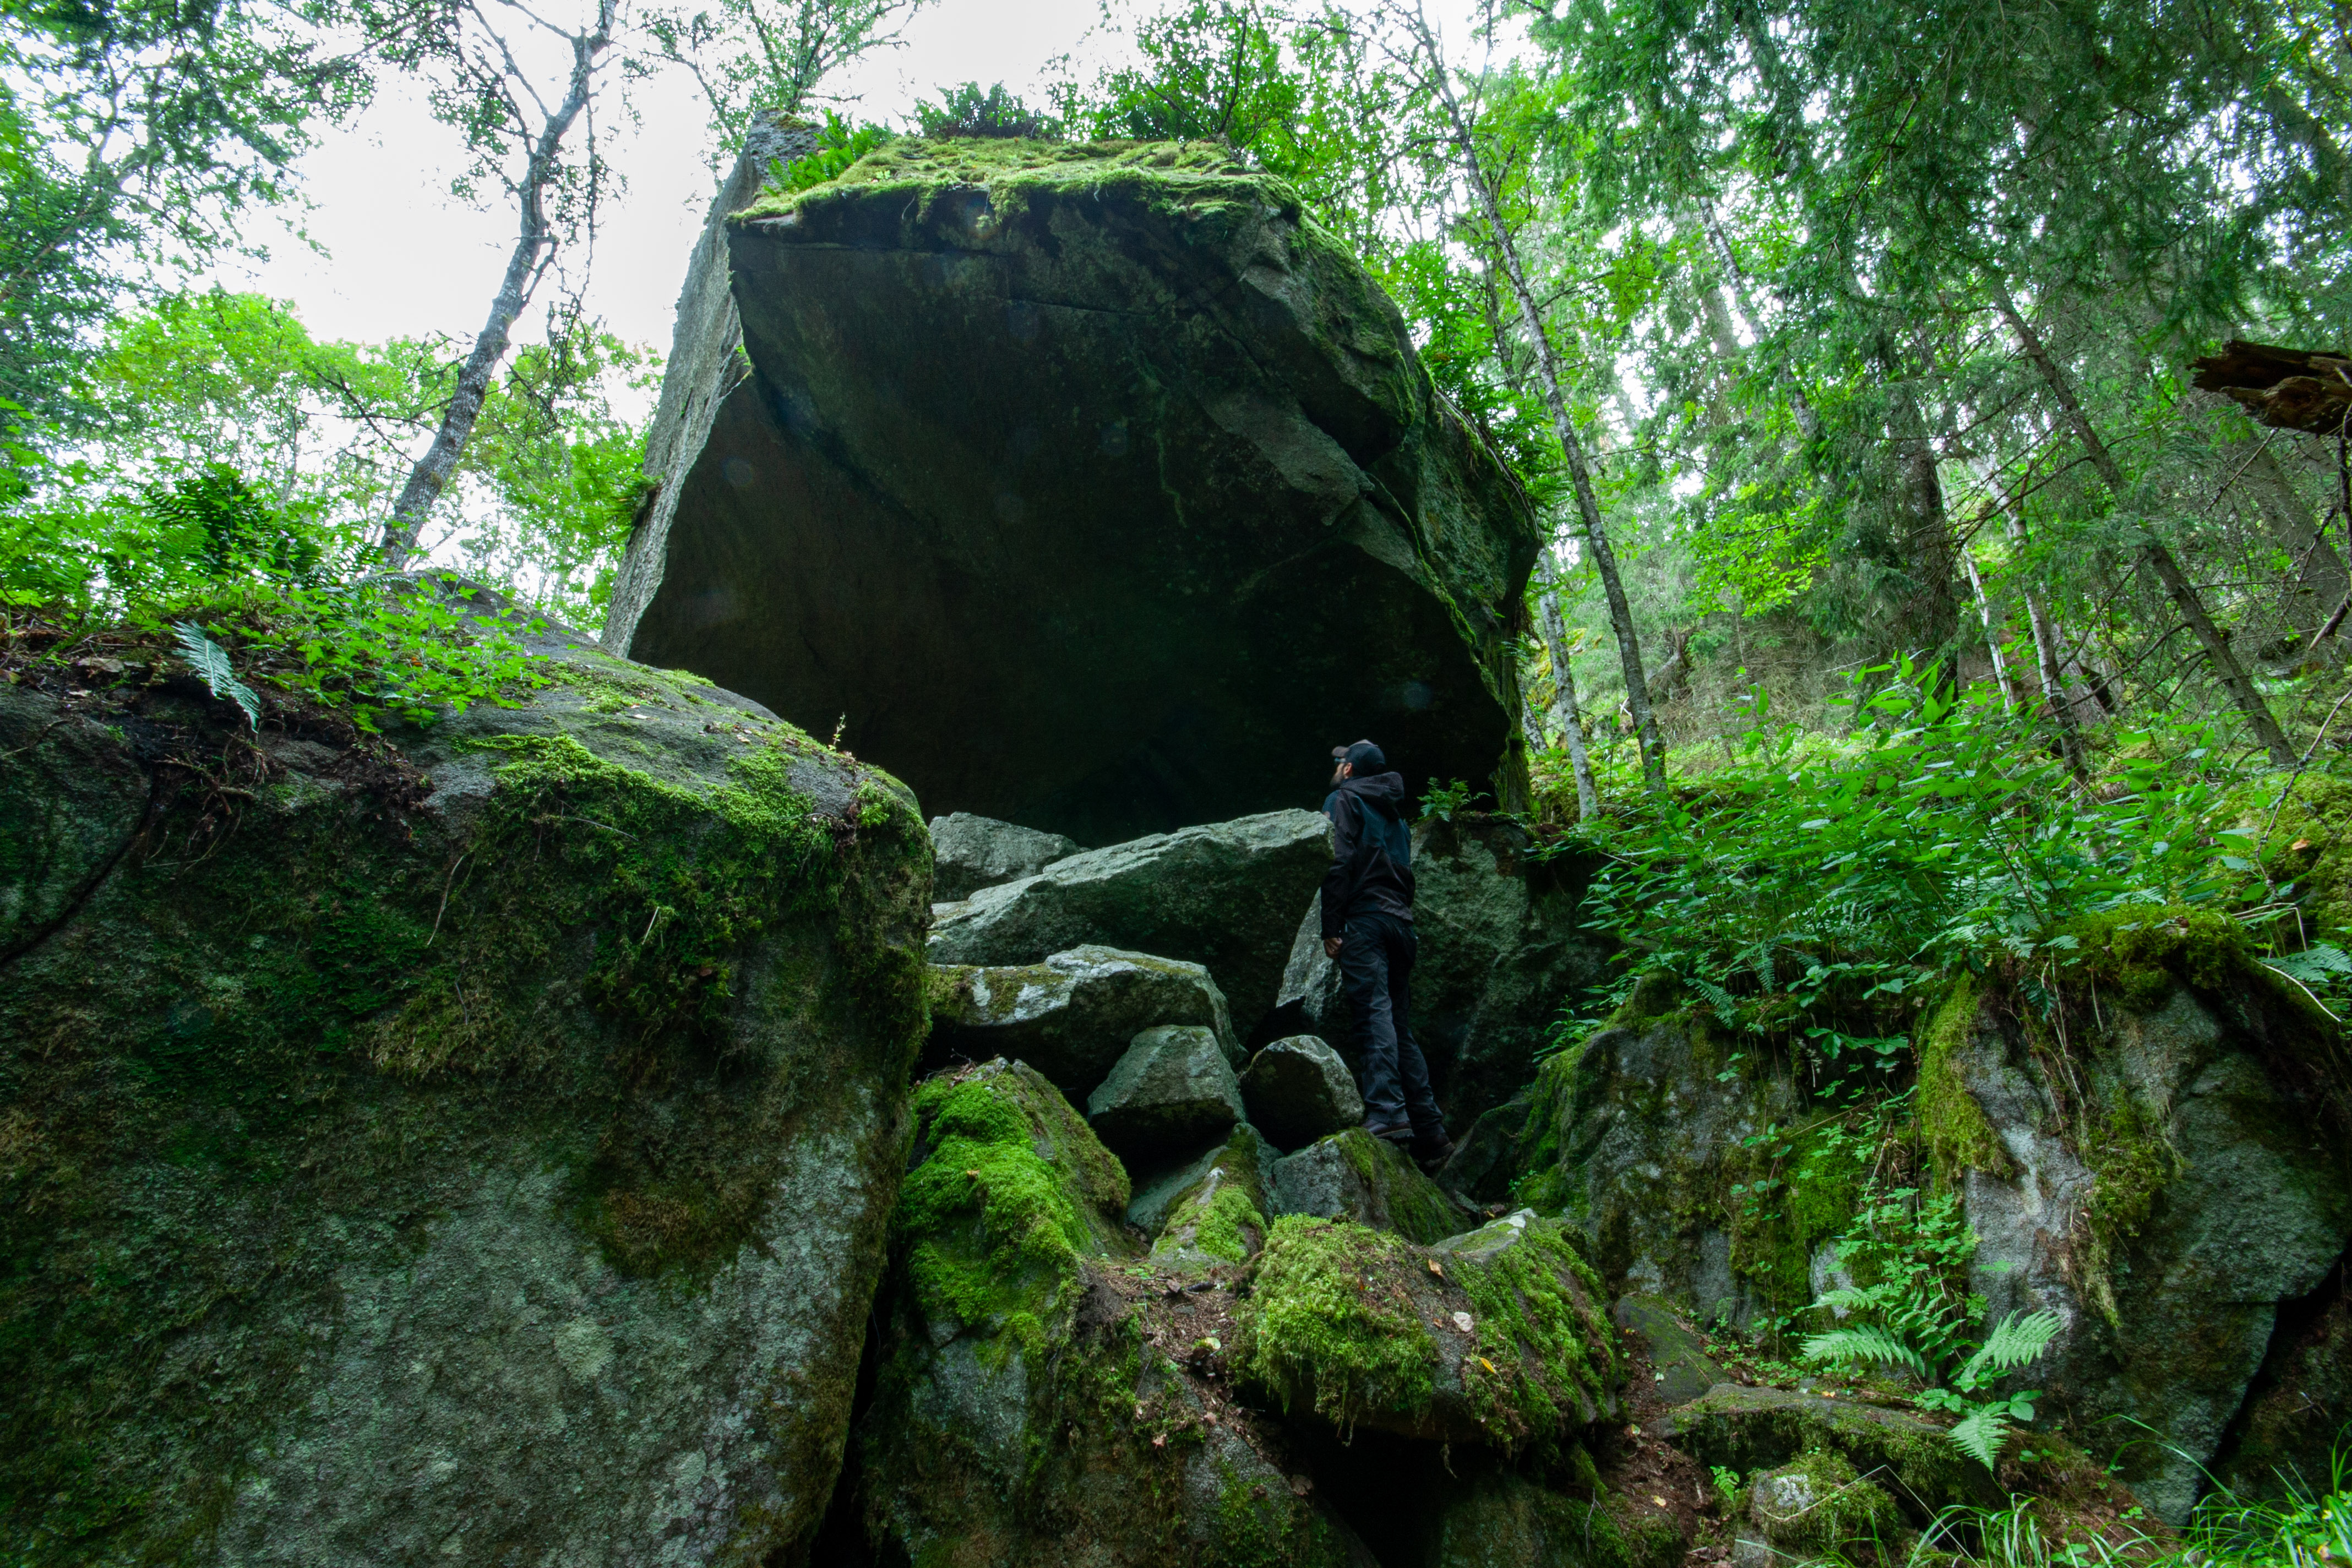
point(1863, 1346)
point(2019, 1338)
point(209, 659)
point(1980, 1435)
point(1848, 1299)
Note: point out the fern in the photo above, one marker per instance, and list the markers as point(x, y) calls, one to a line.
point(1863, 1346)
point(2017, 1341)
point(1981, 1434)
point(2314, 965)
point(209, 659)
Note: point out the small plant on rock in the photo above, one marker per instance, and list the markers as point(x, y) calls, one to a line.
point(1917, 1320)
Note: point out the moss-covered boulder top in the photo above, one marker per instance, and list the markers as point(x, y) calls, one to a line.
point(475, 1145)
point(1098, 458)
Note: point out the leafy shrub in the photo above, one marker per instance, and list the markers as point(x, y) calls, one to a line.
point(1942, 832)
point(839, 144)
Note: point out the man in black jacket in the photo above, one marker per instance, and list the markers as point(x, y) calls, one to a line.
point(1368, 927)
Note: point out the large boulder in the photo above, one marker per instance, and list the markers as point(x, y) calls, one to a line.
point(1173, 1089)
point(1024, 1410)
point(1297, 1089)
point(1225, 895)
point(1501, 1338)
point(473, 1145)
point(1370, 1181)
point(2187, 1179)
point(1071, 475)
point(1504, 957)
point(968, 853)
point(1072, 1016)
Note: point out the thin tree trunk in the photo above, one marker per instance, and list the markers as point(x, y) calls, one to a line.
point(2153, 553)
point(1588, 503)
point(1564, 710)
point(434, 470)
point(1808, 420)
point(1992, 633)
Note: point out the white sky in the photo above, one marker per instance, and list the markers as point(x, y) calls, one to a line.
point(404, 257)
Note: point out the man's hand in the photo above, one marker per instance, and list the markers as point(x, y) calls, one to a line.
point(1331, 946)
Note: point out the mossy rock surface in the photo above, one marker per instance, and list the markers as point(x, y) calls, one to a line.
point(1818, 1504)
point(472, 1145)
point(1021, 1412)
point(1218, 1213)
point(1356, 1176)
point(1759, 1429)
point(1501, 1519)
point(1096, 458)
point(1502, 1338)
point(1072, 1016)
point(1222, 894)
point(2174, 1181)
point(1641, 1135)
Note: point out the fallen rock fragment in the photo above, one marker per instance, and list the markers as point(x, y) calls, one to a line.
point(1072, 1016)
point(968, 853)
point(1355, 1176)
point(1171, 1090)
point(1297, 1089)
point(1224, 896)
point(1504, 1342)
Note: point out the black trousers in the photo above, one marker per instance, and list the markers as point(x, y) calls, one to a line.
point(1376, 955)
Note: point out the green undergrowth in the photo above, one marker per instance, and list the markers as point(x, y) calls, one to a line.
point(1008, 1193)
point(1316, 1330)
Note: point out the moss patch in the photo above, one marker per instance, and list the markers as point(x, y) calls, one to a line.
point(1541, 1320)
point(1952, 1123)
point(1009, 1191)
point(1319, 1331)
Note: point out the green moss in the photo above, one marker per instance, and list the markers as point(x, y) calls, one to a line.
point(1010, 1194)
point(680, 878)
point(1399, 1196)
point(1314, 1330)
point(1542, 1184)
point(1952, 1123)
point(1219, 1216)
point(1784, 1197)
point(1013, 173)
point(2140, 951)
point(1541, 1324)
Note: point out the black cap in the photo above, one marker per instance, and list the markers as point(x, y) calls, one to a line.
point(1363, 757)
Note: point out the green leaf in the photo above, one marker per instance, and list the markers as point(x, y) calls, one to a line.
point(209, 659)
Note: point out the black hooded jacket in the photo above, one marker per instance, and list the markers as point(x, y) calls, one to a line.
point(1371, 852)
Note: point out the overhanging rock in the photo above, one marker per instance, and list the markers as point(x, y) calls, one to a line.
point(1095, 487)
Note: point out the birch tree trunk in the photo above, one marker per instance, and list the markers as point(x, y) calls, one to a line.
point(534, 248)
point(1992, 633)
point(2153, 553)
point(1475, 174)
point(1563, 706)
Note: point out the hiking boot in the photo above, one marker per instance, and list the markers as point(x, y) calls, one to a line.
point(1432, 1152)
point(1398, 1133)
